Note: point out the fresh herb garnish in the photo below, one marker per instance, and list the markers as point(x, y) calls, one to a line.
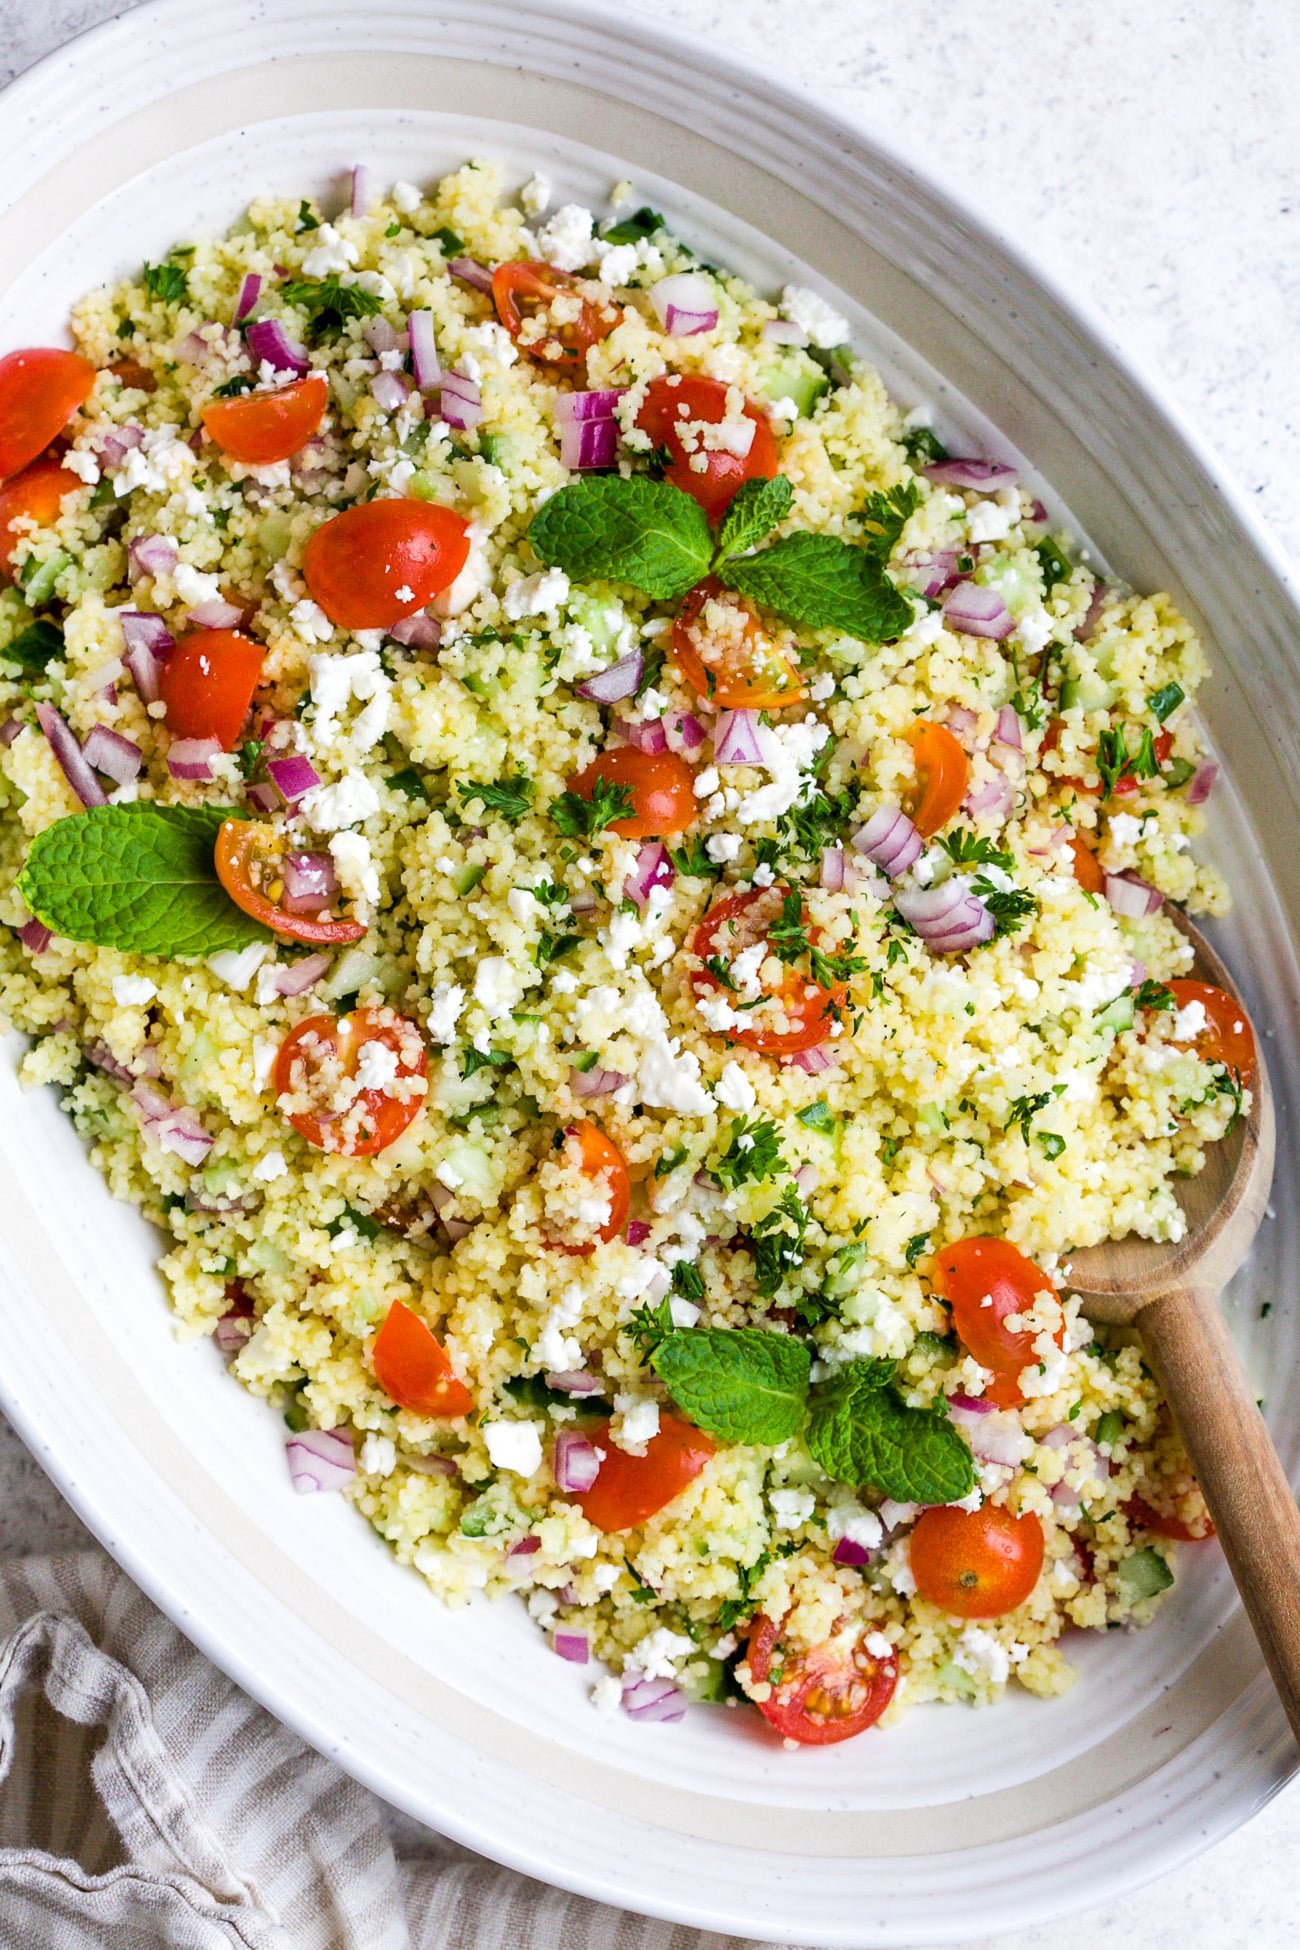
point(512, 797)
point(554, 947)
point(630, 230)
point(789, 940)
point(923, 446)
point(861, 1432)
point(743, 1384)
point(34, 647)
point(688, 1281)
point(166, 282)
point(328, 301)
point(1164, 702)
point(408, 782)
point(243, 382)
point(1024, 1110)
point(754, 513)
point(1010, 907)
point(364, 1224)
point(307, 220)
point(916, 1245)
point(693, 862)
point(670, 1160)
point(1115, 761)
point(1154, 995)
point(777, 1241)
point(965, 850)
point(1055, 566)
point(475, 1060)
point(816, 1117)
point(885, 515)
point(452, 244)
point(574, 815)
point(753, 1153)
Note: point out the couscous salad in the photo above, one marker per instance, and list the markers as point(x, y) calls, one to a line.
point(605, 887)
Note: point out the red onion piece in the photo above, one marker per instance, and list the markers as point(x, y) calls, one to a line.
point(292, 777)
point(35, 936)
point(832, 874)
point(1008, 730)
point(1096, 603)
point(310, 882)
point(685, 303)
point(381, 335)
point(148, 645)
point(103, 680)
point(932, 573)
point(9, 730)
point(320, 1459)
point(647, 734)
point(806, 1180)
point(191, 758)
point(995, 1435)
point(217, 614)
point(526, 1547)
point(652, 1699)
point(424, 353)
point(784, 331)
point(992, 800)
point(589, 446)
point(977, 611)
point(151, 555)
point(572, 1646)
point(270, 343)
point(1132, 897)
point(575, 1462)
point(172, 1126)
point(112, 754)
point(433, 1465)
point(653, 868)
point(119, 441)
point(101, 1057)
point(685, 732)
point(973, 1404)
point(71, 759)
point(971, 473)
point(847, 1552)
point(573, 1381)
point(890, 841)
point(296, 977)
point(961, 722)
point(264, 796)
point(1202, 782)
point(582, 900)
point(735, 739)
point(948, 919)
point(817, 1060)
point(232, 1332)
point(418, 632)
point(596, 1082)
point(460, 401)
point(192, 350)
point(471, 272)
point(390, 391)
point(601, 404)
point(360, 203)
point(637, 1232)
point(617, 681)
point(249, 293)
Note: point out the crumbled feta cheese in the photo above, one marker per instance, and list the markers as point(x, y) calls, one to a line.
point(668, 1078)
point(788, 752)
point(445, 1005)
point(607, 1693)
point(235, 967)
point(330, 252)
point(265, 1051)
point(707, 782)
point(406, 198)
point(988, 521)
point(378, 1455)
point(270, 1166)
point(336, 681)
point(1185, 1025)
point(1124, 830)
point(660, 1652)
point(536, 595)
point(565, 240)
point(497, 987)
point(1033, 631)
point(78, 461)
point(722, 848)
point(310, 621)
point(564, 981)
point(639, 1421)
point(535, 195)
point(822, 687)
point(357, 872)
point(618, 262)
point(376, 1066)
point(516, 1446)
point(329, 808)
point(195, 586)
point(824, 325)
point(131, 990)
point(791, 1507)
point(734, 1090)
point(977, 1651)
point(849, 1519)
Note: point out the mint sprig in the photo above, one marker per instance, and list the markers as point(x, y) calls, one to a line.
point(740, 1383)
point(825, 584)
point(861, 1432)
point(138, 877)
point(751, 516)
point(640, 531)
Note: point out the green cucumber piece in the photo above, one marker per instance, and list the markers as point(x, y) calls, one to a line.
point(1143, 1575)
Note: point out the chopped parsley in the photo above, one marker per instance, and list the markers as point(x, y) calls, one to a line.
point(885, 515)
point(753, 1153)
point(688, 1281)
point(916, 1245)
point(1055, 566)
point(1164, 702)
point(630, 230)
point(923, 446)
point(553, 947)
point(243, 382)
point(452, 244)
point(1025, 1109)
point(670, 1160)
point(511, 797)
point(1115, 761)
point(479, 1059)
point(328, 302)
point(693, 862)
point(250, 756)
point(965, 850)
point(816, 1117)
point(1154, 995)
point(574, 815)
point(363, 1223)
point(788, 938)
point(307, 220)
point(1052, 1142)
point(777, 1241)
point(166, 282)
point(1010, 907)
point(650, 1324)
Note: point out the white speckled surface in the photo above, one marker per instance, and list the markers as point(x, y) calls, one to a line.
point(1149, 152)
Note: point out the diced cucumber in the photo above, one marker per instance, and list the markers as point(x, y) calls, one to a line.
point(477, 1173)
point(1117, 1015)
point(1143, 1575)
point(38, 586)
point(1110, 1428)
point(197, 1061)
point(1177, 772)
point(264, 1256)
point(602, 620)
point(274, 533)
point(958, 1680)
point(220, 1176)
point(930, 1117)
point(498, 449)
point(466, 878)
point(795, 377)
point(354, 968)
point(1016, 583)
point(1088, 693)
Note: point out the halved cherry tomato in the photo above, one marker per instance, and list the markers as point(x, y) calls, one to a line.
point(261, 428)
point(821, 1696)
point(984, 1280)
point(1227, 1037)
point(661, 784)
point(382, 560)
point(808, 1009)
point(673, 405)
point(1161, 1523)
point(316, 1070)
point(133, 374)
point(942, 770)
point(976, 1563)
point(525, 290)
point(598, 1157)
point(1088, 870)
point(413, 1368)
point(207, 685)
point(40, 390)
point(630, 1489)
point(727, 656)
point(37, 493)
point(249, 859)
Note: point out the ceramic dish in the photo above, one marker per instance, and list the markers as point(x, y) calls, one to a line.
point(161, 126)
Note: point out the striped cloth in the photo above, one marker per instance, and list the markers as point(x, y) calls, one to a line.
point(147, 1804)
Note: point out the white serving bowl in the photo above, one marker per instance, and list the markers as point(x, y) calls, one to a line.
point(160, 126)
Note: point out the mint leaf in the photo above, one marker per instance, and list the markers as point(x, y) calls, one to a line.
point(740, 1383)
point(645, 532)
point(754, 513)
point(824, 584)
point(861, 1432)
point(35, 646)
point(137, 877)
point(642, 223)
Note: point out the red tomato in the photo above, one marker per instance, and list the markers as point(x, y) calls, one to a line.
point(807, 1008)
point(732, 661)
point(1227, 1037)
point(598, 1157)
point(973, 1271)
point(316, 1071)
point(382, 560)
point(1088, 870)
point(37, 493)
point(662, 786)
point(942, 770)
point(976, 1563)
point(131, 373)
point(1161, 1523)
point(40, 390)
point(412, 1366)
point(526, 290)
point(630, 1489)
point(674, 404)
point(207, 685)
point(261, 428)
point(824, 1695)
point(248, 859)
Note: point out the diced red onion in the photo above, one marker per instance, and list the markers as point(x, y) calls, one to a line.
point(652, 1699)
point(735, 739)
point(971, 1404)
point(9, 730)
point(971, 473)
point(217, 614)
point(685, 732)
point(890, 841)
point(653, 868)
point(1096, 603)
point(360, 203)
point(572, 1646)
point(1137, 973)
point(268, 341)
point(933, 572)
point(847, 1552)
point(101, 1057)
point(424, 353)
point(102, 680)
point(949, 918)
point(637, 1232)
point(1202, 782)
point(418, 632)
point(174, 1127)
point(112, 754)
point(806, 1180)
point(35, 936)
point(296, 977)
point(264, 796)
point(152, 555)
point(573, 1381)
point(685, 303)
point(231, 1332)
point(148, 645)
point(191, 758)
point(381, 335)
point(832, 874)
point(995, 1435)
point(977, 611)
point(583, 901)
point(817, 1060)
point(390, 391)
point(1132, 897)
point(460, 401)
point(587, 446)
point(433, 1465)
point(320, 1459)
point(1008, 728)
point(597, 1082)
point(118, 442)
point(647, 734)
point(455, 1228)
point(249, 293)
point(992, 800)
point(526, 1547)
point(193, 350)
point(571, 408)
point(617, 681)
point(310, 882)
point(575, 1462)
point(471, 272)
point(961, 722)
point(784, 331)
point(71, 759)
point(292, 777)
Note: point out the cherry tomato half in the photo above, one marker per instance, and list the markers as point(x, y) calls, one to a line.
point(1227, 1037)
point(1162, 1523)
point(1088, 870)
point(805, 1011)
point(942, 770)
point(630, 1489)
point(207, 685)
point(976, 1563)
point(40, 390)
point(413, 1368)
point(551, 321)
point(249, 859)
point(728, 658)
point(382, 560)
point(662, 788)
point(261, 428)
point(975, 1271)
point(598, 1158)
point(322, 1087)
point(823, 1695)
point(37, 493)
point(676, 405)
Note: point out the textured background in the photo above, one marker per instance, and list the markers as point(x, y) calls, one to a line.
point(1148, 152)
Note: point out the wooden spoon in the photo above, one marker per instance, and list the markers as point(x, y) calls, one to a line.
point(1170, 1293)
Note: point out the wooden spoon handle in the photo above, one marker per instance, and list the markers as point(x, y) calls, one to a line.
point(1253, 1505)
